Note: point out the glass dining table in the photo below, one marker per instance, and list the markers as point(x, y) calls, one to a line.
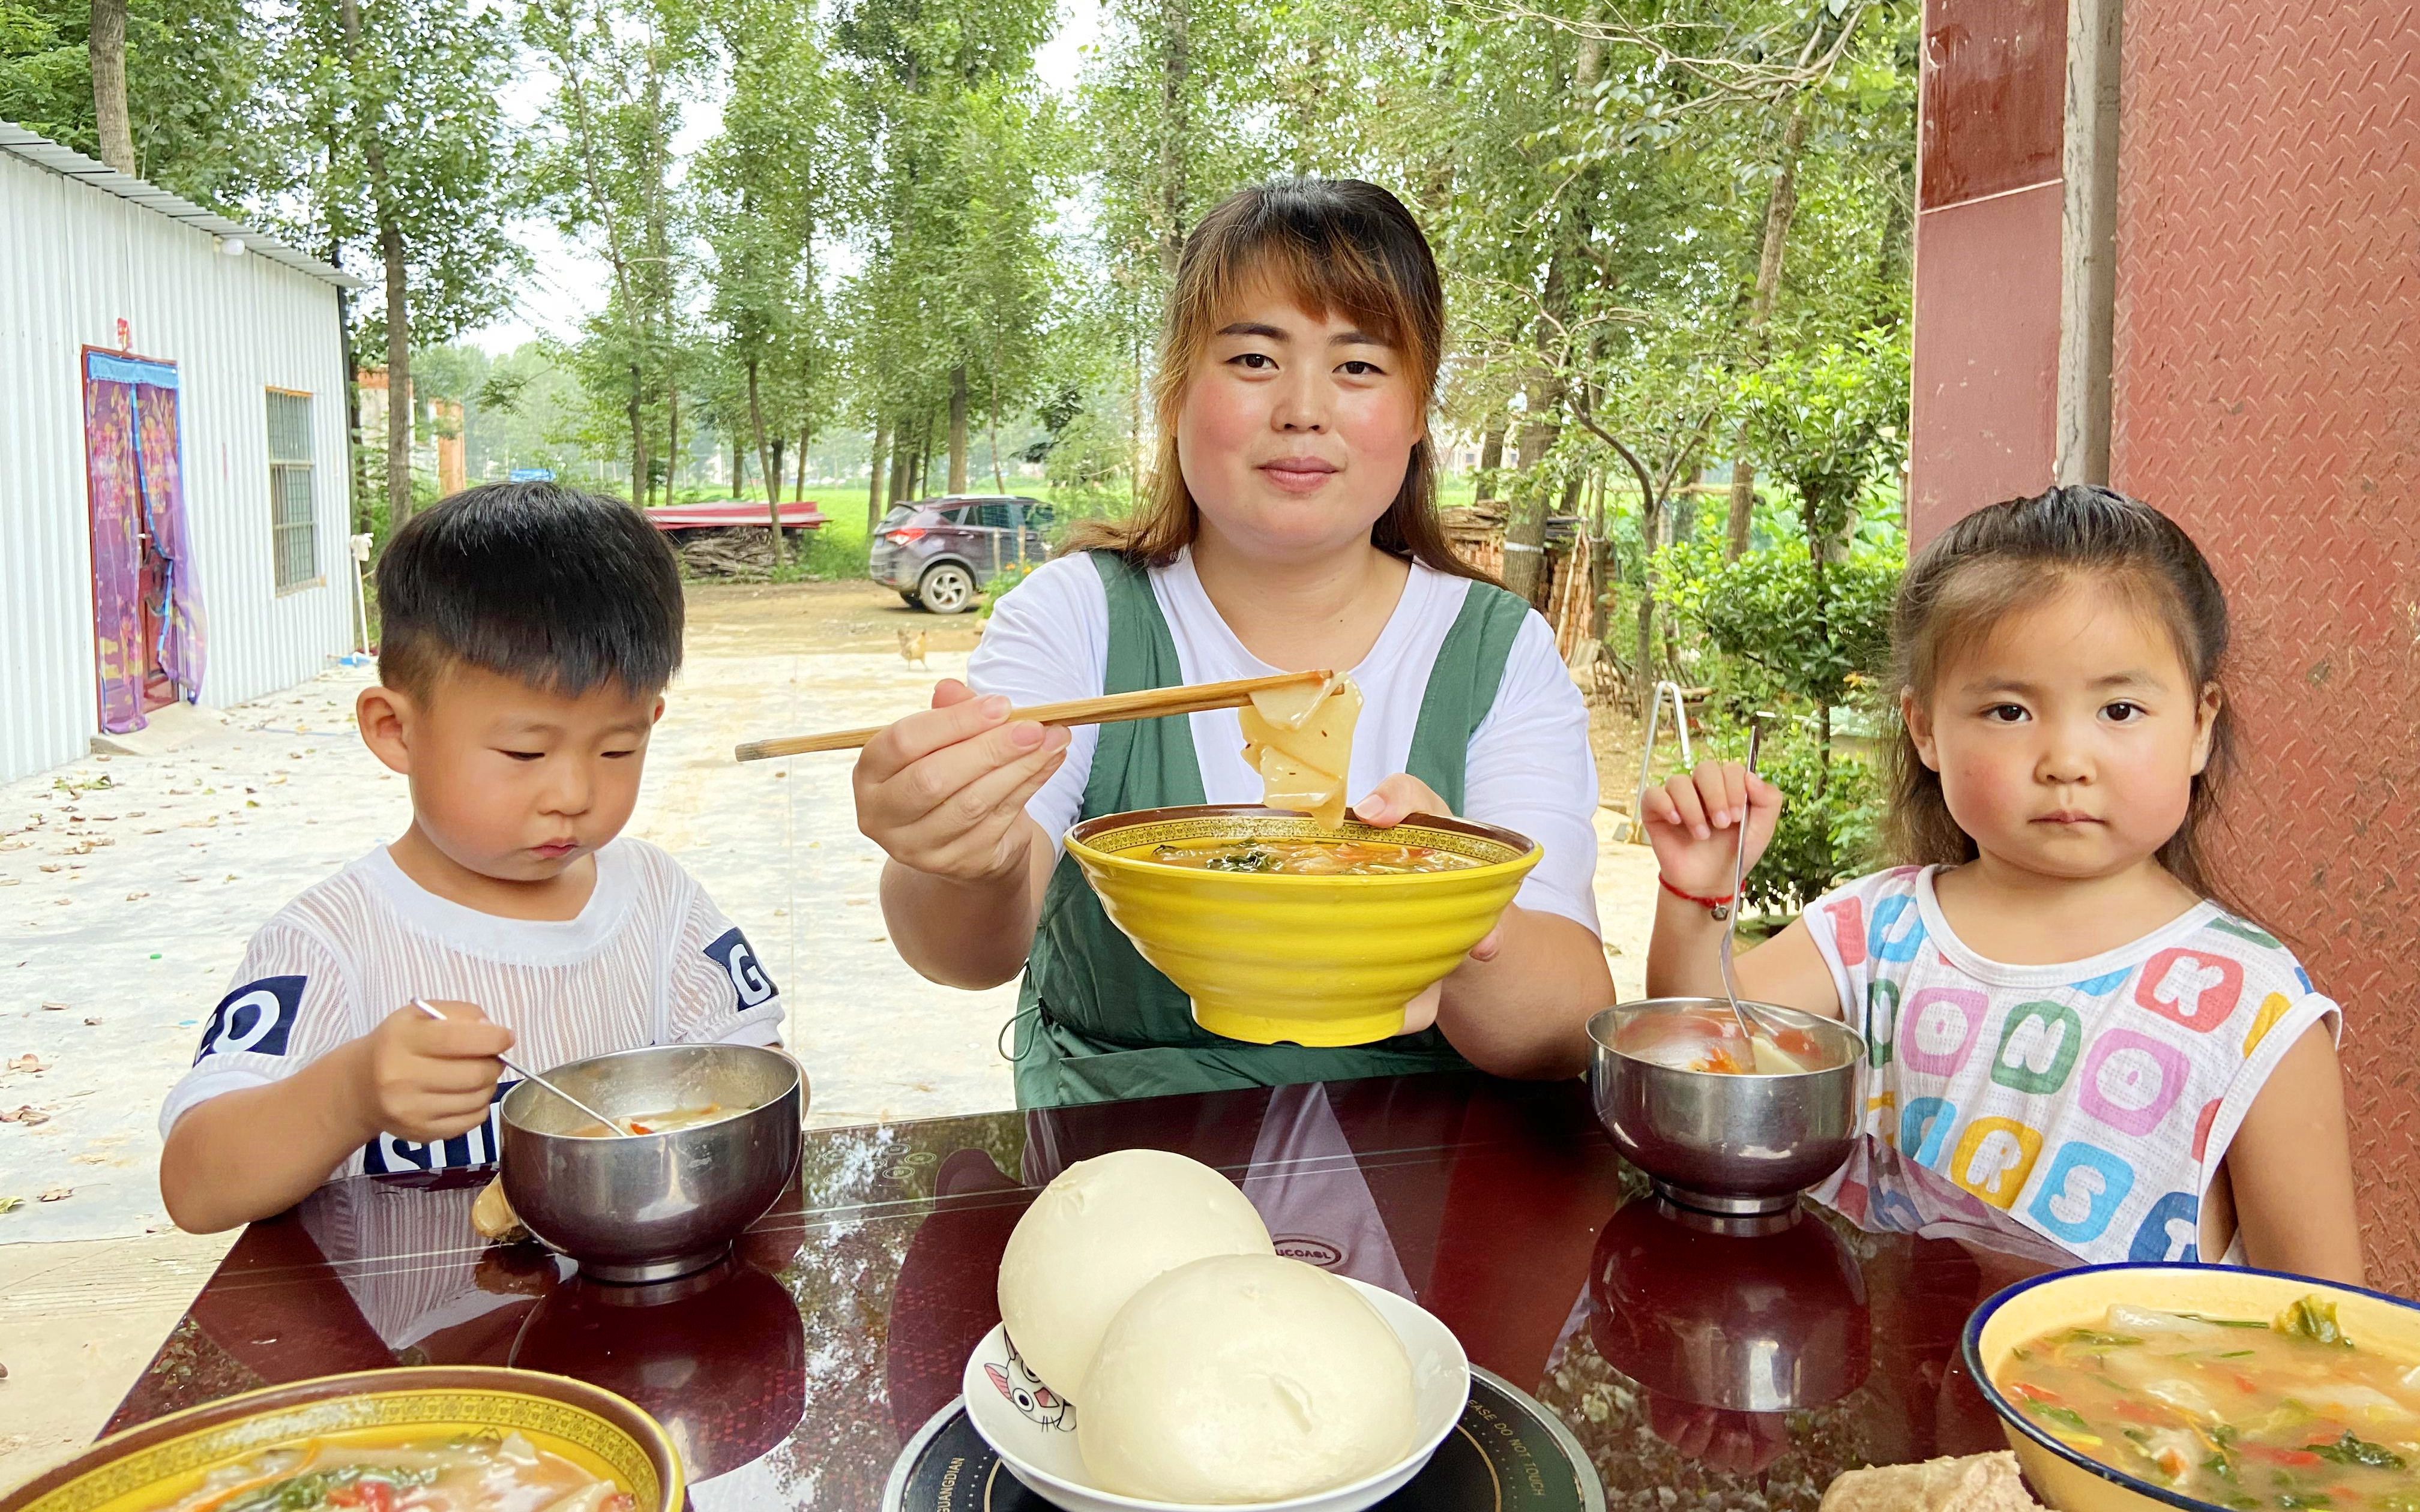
point(1634, 1354)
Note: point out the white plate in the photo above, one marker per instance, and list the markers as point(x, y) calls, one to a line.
point(1035, 1433)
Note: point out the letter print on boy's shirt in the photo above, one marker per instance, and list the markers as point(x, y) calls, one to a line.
point(2091, 1100)
point(256, 1018)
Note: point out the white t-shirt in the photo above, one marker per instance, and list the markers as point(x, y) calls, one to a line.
point(1530, 768)
point(2092, 1101)
point(649, 960)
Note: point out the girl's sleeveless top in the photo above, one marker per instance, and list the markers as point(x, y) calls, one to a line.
point(2092, 1101)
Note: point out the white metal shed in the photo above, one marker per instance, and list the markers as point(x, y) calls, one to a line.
point(108, 281)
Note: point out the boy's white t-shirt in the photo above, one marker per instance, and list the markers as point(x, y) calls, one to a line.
point(648, 961)
point(2092, 1101)
point(1530, 768)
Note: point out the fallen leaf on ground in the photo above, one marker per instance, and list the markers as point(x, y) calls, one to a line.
point(30, 1061)
point(136, 897)
point(56, 1193)
point(49, 866)
point(92, 1021)
point(27, 1115)
point(11, 1204)
point(55, 1007)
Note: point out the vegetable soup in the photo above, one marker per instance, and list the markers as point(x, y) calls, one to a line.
point(466, 1473)
point(2286, 1413)
point(1303, 857)
point(647, 1123)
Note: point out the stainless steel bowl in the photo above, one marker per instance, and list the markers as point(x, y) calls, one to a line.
point(1721, 1143)
point(662, 1205)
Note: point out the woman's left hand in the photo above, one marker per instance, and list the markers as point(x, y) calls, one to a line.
point(1397, 799)
point(1390, 804)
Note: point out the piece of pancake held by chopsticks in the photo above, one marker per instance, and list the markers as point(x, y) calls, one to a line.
point(1300, 740)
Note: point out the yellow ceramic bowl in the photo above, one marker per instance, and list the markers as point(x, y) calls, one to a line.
point(155, 1464)
point(1312, 961)
point(2075, 1482)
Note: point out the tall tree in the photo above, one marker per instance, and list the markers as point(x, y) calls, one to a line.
point(622, 68)
point(108, 47)
point(405, 156)
point(190, 111)
point(773, 178)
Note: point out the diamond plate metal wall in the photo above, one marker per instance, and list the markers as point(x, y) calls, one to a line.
point(2266, 391)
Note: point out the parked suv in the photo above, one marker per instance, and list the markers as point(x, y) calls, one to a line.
point(938, 553)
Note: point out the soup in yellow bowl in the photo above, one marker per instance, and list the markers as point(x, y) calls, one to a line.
point(1282, 931)
point(427, 1439)
point(2204, 1387)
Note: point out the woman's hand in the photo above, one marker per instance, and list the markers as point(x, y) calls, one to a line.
point(1390, 804)
point(1397, 799)
point(942, 792)
point(1690, 820)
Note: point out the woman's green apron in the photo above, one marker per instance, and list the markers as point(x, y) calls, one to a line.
point(1096, 1021)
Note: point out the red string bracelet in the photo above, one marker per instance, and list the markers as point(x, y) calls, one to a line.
point(1712, 905)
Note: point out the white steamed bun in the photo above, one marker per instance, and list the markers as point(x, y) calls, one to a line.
point(1247, 1378)
point(1096, 1236)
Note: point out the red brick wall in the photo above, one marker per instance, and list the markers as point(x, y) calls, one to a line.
point(2267, 394)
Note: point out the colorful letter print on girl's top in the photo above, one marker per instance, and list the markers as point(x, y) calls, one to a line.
point(2092, 1101)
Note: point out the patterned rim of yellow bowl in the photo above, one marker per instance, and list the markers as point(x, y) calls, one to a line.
point(1265, 958)
point(2074, 1481)
point(1499, 851)
point(154, 1464)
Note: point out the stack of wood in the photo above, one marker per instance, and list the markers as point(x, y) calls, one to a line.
point(1476, 533)
point(732, 553)
point(1567, 591)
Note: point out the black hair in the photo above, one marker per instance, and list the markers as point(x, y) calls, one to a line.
point(563, 589)
point(2017, 554)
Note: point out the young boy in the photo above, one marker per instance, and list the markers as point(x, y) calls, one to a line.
point(530, 631)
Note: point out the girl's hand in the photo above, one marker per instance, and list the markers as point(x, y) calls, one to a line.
point(1390, 804)
point(941, 791)
point(1690, 820)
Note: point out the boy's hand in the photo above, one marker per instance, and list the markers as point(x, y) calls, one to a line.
point(426, 1080)
point(941, 791)
point(1691, 822)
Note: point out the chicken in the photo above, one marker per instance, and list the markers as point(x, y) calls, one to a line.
point(911, 649)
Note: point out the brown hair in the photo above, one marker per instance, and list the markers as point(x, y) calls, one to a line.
point(1335, 244)
point(2017, 553)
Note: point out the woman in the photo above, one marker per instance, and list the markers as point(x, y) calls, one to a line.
point(1290, 524)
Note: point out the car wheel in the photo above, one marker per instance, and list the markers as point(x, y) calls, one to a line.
point(947, 589)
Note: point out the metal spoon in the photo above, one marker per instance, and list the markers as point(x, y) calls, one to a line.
point(1742, 1012)
point(615, 1124)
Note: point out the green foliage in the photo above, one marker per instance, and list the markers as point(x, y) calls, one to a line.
point(1818, 639)
point(1827, 421)
point(399, 124)
point(202, 125)
point(1002, 581)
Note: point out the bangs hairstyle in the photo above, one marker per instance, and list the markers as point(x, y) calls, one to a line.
point(1335, 245)
point(2019, 555)
point(566, 590)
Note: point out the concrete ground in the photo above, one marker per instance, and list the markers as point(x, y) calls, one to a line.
point(130, 884)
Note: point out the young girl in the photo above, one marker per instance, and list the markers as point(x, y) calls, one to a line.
point(2062, 1019)
point(1290, 524)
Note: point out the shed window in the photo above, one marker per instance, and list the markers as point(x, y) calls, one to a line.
point(294, 540)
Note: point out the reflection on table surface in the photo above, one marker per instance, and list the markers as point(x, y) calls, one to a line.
point(1745, 1362)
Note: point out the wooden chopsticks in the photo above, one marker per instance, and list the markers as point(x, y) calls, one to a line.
point(1150, 704)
